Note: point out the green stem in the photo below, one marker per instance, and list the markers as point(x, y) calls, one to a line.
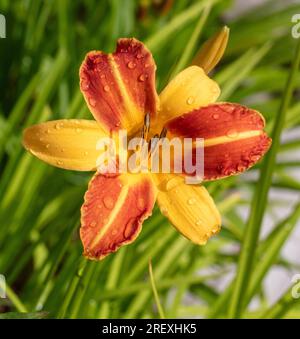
point(156, 296)
point(260, 199)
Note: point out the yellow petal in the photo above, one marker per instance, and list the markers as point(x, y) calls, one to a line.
point(189, 208)
point(190, 89)
point(69, 144)
point(212, 50)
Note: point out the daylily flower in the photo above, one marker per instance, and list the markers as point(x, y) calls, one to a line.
point(119, 90)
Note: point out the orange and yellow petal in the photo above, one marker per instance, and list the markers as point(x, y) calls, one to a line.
point(69, 144)
point(190, 89)
point(113, 212)
point(119, 88)
point(234, 139)
point(189, 208)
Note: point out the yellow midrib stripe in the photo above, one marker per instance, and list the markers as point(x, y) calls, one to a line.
point(131, 113)
point(226, 139)
point(114, 212)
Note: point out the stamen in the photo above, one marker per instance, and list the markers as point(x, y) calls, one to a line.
point(155, 140)
point(153, 143)
point(163, 133)
point(146, 127)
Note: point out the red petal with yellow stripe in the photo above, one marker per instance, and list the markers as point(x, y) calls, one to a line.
point(119, 88)
point(233, 134)
point(113, 212)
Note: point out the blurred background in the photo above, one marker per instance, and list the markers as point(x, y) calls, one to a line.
point(250, 268)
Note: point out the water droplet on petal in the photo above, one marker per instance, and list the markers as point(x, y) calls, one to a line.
point(84, 85)
point(215, 230)
point(232, 133)
point(93, 224)
point(59, 163)
point(255, 157)
point(47, 146)
point(142, 77)
point(102, 76)
point(190, 100)
point(240, 167)
point(131, 65)
point(215, 116)
point(129, 228)
point(106, 88)
point(59, 125)
point(141, 204)
point(92, 101)
point(164, 210)
point(139, 56)
point(108, 202)
point(191, 201)
point(198, 222)
point(171, 184)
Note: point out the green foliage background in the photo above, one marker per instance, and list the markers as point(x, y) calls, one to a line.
point(40, 250)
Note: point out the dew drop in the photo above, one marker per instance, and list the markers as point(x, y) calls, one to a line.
point(47, 146)
point(108, 202)
point(164, 210)
point(85, 85)
point(131, 65)
point(232, 133)
point(129, 229)
point(147, 65)
point(240, 167)
point(139, 56)
point(59, 125)
point(142, 77)
point(215, 116)
point(215, 230)
point(141, 204)
point(106, 88)
point(254, 157)
point(171, 184)
point(59, 163)
point(198, 222)
point(92, 101)
point(102, 76)
point(190, 100)
point(191, 201)
point(93, 224)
